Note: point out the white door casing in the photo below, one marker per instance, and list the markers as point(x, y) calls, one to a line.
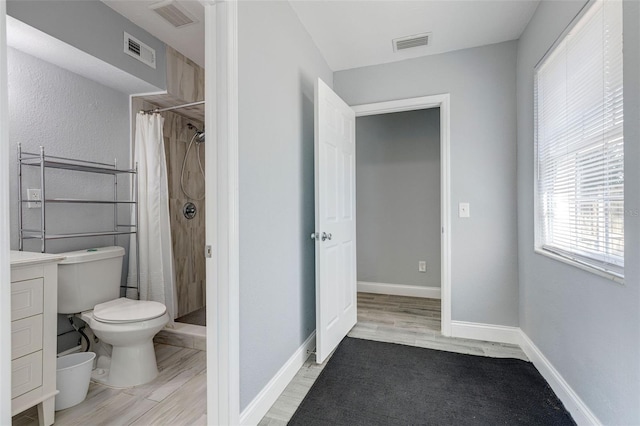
point(335, 208)
point(222, 232)
point(5, 282)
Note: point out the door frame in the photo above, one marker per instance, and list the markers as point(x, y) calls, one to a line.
point(5, 229)
point(222, 234)
point(441, 101)
point(222, 278)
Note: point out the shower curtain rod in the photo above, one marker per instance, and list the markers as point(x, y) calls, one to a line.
point(151, 111)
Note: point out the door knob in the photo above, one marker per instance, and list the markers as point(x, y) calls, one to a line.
point(326, 236)
point(314, 235)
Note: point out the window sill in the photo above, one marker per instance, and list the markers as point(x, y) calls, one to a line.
point(605, 274)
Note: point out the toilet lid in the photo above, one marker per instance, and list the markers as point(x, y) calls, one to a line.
point(127, 310)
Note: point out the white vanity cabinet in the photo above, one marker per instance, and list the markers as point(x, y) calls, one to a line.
point(34, 306)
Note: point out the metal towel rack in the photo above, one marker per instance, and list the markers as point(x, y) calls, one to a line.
point(44, 162)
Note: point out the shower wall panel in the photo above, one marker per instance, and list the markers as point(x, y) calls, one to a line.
point(188, 235)
point(185, 79)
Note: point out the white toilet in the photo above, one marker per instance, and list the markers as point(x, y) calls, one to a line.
point(89, 286)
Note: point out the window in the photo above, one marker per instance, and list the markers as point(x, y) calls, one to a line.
point(580, 145)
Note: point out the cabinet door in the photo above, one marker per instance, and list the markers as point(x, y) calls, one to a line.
point(26, 336)
point(26, 298)
point(26, 374)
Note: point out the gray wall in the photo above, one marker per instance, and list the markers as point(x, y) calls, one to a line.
point(94, 28)
point(482, 85)
point(587, 326)
point(398, 197)
point(278, 64)
point(74, 117)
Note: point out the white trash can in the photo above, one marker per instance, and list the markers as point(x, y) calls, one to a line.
point(73, 373)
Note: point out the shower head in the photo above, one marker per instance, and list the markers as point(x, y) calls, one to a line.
point(199, 136)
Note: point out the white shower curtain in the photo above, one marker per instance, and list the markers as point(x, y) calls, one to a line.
point(157, 277)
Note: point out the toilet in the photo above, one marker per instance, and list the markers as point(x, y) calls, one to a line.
point(89, 287)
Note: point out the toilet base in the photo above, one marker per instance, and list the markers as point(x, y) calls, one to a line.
point(100, 375)
point(128, 366)
point(133, 357)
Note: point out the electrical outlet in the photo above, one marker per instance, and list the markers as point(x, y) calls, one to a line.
point(33, 194)
point(422, 266)
point(463, 210)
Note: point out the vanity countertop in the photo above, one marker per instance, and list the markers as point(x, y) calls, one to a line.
point(25, 258)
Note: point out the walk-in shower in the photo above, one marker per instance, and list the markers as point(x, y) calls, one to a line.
point(184, 145)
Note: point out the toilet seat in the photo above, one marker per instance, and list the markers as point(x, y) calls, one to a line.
point(125, 310)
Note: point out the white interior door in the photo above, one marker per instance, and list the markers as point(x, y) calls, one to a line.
point(335, 235)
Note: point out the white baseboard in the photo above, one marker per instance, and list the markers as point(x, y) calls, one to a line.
point(255, 411)
point(399, 289)
point(514, 335)
point(486, 332)
point(572, 402)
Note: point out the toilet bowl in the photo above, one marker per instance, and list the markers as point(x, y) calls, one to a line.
point(89, 288)
point(128, 326)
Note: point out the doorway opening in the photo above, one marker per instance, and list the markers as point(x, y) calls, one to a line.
point(88, 116)
point(399, 223)
point(382, 192)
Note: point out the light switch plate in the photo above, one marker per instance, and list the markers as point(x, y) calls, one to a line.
point(422, 266)
point(463, 210)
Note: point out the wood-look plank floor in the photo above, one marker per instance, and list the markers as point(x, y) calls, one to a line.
point(176, 397)
point(395, 319)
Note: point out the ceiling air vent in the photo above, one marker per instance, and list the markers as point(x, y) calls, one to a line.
point(173, 13)
point(137, 49)
point(410, 42)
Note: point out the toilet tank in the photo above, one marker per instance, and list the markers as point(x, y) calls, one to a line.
point(88, 277)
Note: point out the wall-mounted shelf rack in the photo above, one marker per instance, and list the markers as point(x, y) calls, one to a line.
point(51, 162)
point(45, 161)
point(78, 200)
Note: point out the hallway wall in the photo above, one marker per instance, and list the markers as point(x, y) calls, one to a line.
point(586, 325)
point(482, 87)
point(278, 66)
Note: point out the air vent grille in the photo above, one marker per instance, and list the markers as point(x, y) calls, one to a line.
point(136, 49)
point(173, 13)
point(410, 42)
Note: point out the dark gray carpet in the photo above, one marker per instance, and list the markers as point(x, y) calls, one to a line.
point(374, 383)
point(198, 317)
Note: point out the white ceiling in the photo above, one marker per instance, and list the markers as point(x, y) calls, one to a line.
point(356, 33)
point(188, 40)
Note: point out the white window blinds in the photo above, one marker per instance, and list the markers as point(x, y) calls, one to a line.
point(579, 143)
